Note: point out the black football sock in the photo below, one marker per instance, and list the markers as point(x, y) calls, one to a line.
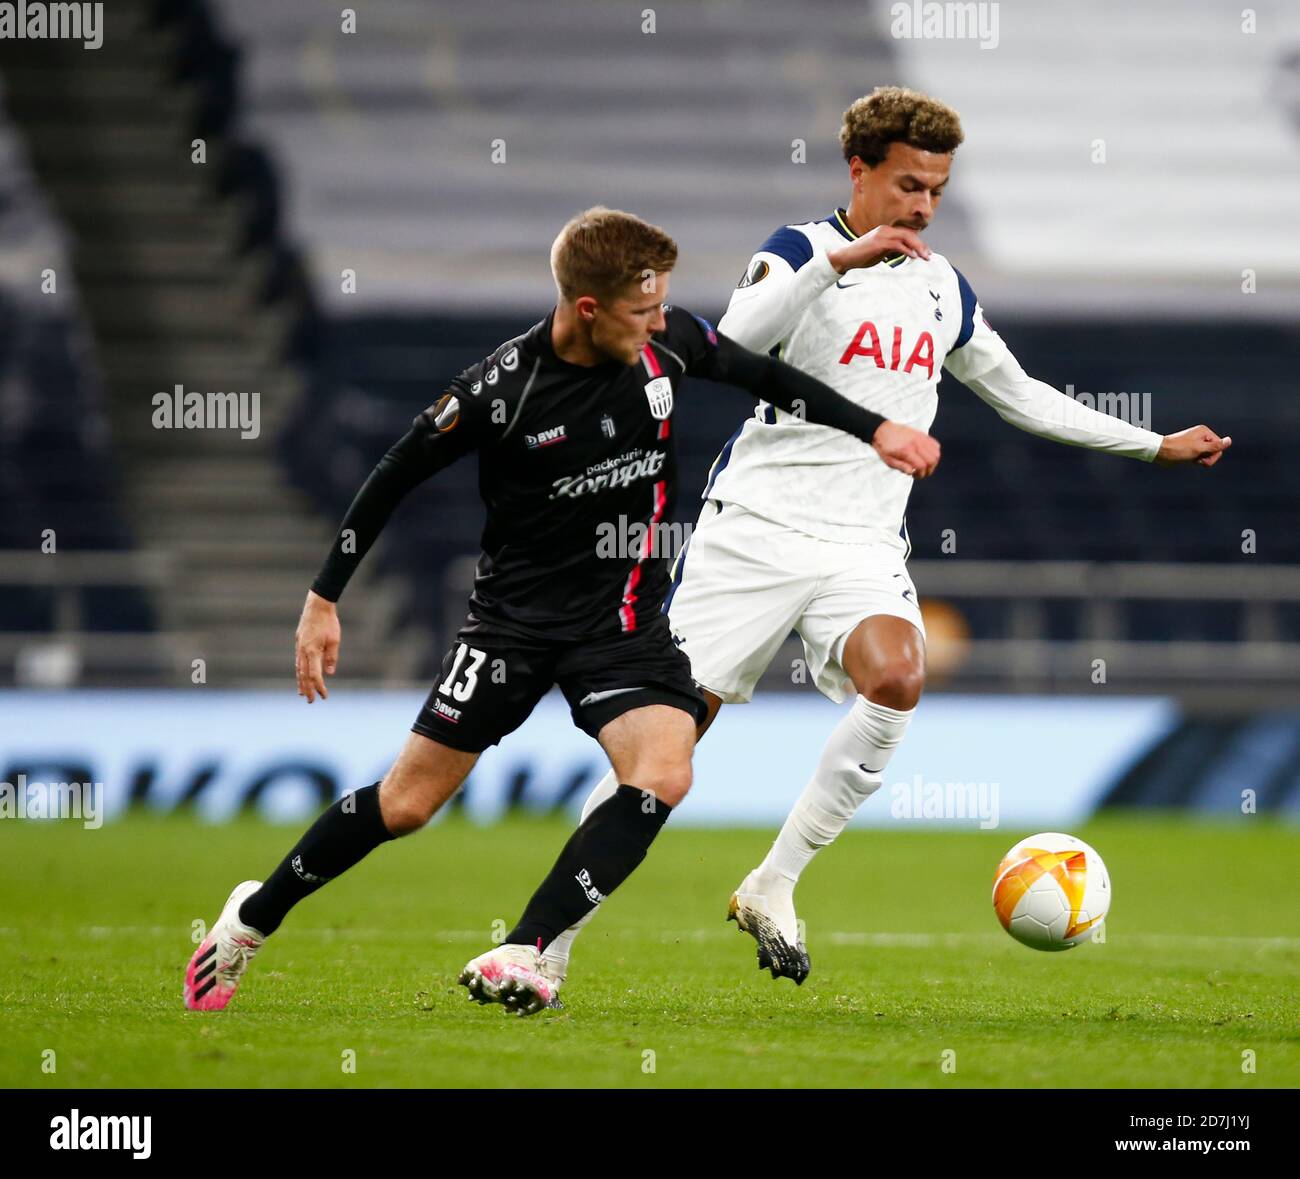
point(344, 835)
point(602, 853)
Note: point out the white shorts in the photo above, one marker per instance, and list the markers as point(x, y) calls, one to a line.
point(743, 583)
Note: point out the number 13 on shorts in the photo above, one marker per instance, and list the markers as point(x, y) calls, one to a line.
point(464, 690)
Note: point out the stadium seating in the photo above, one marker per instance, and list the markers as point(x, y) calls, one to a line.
point(58, 476)
point(378, 159)
point(450, 248)
point(391, 141)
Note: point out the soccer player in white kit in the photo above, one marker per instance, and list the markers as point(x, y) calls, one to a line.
point(802, 526)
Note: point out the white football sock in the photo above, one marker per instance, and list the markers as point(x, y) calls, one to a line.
point(849, 771)
point(557, 953)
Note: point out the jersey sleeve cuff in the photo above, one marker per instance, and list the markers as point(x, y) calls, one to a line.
point(822, 270)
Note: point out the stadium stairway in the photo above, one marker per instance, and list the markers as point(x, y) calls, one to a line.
point(176, 298)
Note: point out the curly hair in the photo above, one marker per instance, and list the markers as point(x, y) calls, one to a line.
point(894, 114)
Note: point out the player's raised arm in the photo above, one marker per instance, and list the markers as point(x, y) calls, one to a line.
point(788, 272)
point(433, 442)
point(780, 282)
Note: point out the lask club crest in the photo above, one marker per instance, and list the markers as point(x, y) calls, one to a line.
point(659, 393)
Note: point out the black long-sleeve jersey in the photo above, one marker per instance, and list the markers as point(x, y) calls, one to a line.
point(568, 455)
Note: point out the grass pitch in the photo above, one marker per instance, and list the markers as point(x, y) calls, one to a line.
point(914, 984)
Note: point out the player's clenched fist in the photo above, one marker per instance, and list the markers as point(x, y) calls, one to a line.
point(1200, 445)
point(882, 242)
point(905, 449)
point(316, 646)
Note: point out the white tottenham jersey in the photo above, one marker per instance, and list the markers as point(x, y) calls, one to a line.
point(880, 337)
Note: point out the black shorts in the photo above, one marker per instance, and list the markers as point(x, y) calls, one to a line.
point(489, 685)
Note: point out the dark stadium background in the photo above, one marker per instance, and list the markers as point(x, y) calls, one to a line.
point(373, 151)
point(337, 208)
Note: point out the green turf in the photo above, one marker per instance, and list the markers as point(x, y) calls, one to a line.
point(1201, 964)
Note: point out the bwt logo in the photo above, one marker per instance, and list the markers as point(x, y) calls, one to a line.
point(452, 714)
point(78, 1131)
point(545, 438)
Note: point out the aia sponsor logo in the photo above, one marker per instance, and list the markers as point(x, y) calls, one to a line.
point(866, 344)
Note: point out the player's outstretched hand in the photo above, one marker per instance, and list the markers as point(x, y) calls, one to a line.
point(905, 449)
point(1200, 445)
point(316, 646)
point(882, 242)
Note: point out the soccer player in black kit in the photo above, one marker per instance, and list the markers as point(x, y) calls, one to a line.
point(573, 426)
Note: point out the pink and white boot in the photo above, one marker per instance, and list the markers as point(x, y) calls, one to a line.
point(511, 976)
point(213, 974)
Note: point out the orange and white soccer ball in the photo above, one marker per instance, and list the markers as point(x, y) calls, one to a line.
point(1051, 891)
